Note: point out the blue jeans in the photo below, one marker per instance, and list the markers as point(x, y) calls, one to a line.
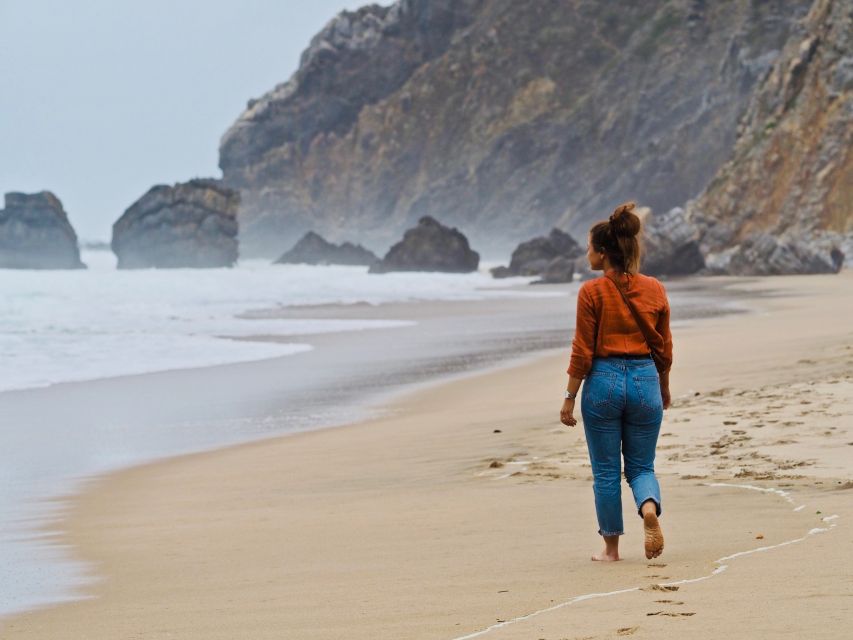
point(622, 408)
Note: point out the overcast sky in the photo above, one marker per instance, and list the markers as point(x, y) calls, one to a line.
point(102, 99)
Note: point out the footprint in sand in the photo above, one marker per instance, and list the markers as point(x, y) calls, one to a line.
point(660, 587)
point(672, 614)
point(626, 631)
point(669, 601)
point(660, 564)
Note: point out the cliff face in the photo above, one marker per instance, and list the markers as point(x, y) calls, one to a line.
point(791, 171)
point(503, 117)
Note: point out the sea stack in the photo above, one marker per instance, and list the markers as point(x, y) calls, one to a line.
point(312, 248)
point(35, 233)
point(430, 246)
point(554, 254)
point(191, 224)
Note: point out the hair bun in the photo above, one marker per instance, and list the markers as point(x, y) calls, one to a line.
point(624, 222)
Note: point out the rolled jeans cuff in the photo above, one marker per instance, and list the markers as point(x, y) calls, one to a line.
point(640, 503)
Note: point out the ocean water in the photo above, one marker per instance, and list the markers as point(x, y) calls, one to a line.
point(61, 326)
point(67, 325)
point(324, 367)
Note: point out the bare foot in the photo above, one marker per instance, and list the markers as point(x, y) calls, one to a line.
point(653, 535)
point(606, 556)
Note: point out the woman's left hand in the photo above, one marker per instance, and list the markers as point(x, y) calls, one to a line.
point(566, 413)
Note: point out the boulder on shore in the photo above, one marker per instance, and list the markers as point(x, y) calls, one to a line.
point(536, 256)
point(314, 249)
point(761, 254)
point(35, 233)
point(671, 245)
point(430, 246)
point(191, 224)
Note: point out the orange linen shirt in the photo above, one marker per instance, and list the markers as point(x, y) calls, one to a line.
point(606, 327)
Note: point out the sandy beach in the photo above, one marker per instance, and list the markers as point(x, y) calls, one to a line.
point(465, 510)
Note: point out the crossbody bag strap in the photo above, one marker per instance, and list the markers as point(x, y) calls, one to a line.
point(655, 355)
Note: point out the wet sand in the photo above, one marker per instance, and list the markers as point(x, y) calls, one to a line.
point(465, 509)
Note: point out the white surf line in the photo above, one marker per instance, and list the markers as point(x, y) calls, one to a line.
point(719, 569)
point(716, 571)
point(776, 546)
point(504, 623)
point(779, 492)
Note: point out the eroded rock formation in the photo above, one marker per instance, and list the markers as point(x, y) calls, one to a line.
point(314, 249)
point(554, 253)
point(766, 255)
point(35, 233)
point(430, 246)
point(191, 224)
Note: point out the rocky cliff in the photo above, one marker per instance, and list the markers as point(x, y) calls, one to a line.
point(791, 172)
point(505, 117)
point(191, 224)
point(35, 233)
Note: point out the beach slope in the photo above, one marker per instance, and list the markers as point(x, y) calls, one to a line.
point(465, 510)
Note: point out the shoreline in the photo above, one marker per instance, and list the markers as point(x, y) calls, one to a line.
point(405, 410)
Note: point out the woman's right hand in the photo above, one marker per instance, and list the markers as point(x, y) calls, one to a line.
point(664, 394)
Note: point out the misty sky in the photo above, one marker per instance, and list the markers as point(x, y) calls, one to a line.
point(101, 99)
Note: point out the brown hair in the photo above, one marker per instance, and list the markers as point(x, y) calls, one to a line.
point(619, 239)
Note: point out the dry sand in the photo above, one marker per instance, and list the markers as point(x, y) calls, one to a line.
point(466, 510)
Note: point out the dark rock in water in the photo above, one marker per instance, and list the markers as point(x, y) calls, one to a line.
point(761, 254)
point(191, 224)
point(313, 249)
point(560, 269)
point(501, 272)
point(35, 233)
point(430, 247)
point(533, 257)
point(671, 245)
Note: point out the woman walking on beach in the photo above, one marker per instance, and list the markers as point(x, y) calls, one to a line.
point(623, 350)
